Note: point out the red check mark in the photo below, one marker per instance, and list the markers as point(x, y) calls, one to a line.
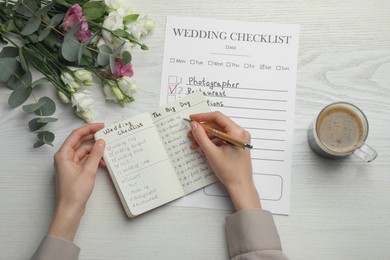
point(172, 90)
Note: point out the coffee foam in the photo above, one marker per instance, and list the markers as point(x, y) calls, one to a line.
point(340, 129)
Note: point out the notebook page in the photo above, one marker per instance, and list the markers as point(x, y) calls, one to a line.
point(139, 164)
point(191, 166)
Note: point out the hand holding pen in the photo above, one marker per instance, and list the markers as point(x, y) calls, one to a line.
point(232, 166)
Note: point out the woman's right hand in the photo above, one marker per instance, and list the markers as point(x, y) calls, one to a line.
point(231, 164)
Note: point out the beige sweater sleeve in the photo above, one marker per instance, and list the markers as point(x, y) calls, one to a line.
point(56, 248)
point(252, 234)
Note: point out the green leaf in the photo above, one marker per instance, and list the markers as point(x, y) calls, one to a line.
point(23, 61)
point(126, 57)
point(8, 67)
point(47, 120)
point(38, 144)
point(48, 108)
point(62, 3)
point(56, 19)
point(19, 96)
point(10, 52)
point(69, 49)
point(113, 56)
point(46, 137)
point(32, 25)
point(9, 26)
point(94, 10)
point(33, 107)
point(103, 57)
point(26, 7)
point(20, 79)
point(130, 18)
point(44, 33)
point(39, 82)
point(45, 9)
point(50, 40)
point(34, 125)
point(121, 33)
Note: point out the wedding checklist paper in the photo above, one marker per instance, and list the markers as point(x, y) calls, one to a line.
point(248, 72)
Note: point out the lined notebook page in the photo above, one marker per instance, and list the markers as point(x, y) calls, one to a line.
point(191, 166)
point(140, 167)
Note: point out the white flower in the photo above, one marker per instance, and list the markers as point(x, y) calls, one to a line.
point(128, 86)
point(113, 22)
point(86, 115)
point(82, 104)
point(140, 27)
point(109, 95)
point(64, 98)
point(118, 4)
point(70, 82)
point(83, 76)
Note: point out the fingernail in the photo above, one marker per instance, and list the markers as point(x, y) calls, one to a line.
point(193, 125)
point(101, 142)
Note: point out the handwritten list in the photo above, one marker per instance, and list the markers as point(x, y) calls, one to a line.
point(248, 72)
point(149, 158)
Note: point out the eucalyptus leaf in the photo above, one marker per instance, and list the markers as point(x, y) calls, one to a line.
point(104, 55)
point(9, 51)
point(47, 120)
point(51, 40)
point(32, 25)
point(126, 57)
point(69, 49)
point(45, 9)
point(19, 96)
point(46, 137)
point(44, 33)
point(8, 67)
point(33, 107)
point(23, 61)
point(56, 19)
point(112, 64)
point(39, 82)
point(48, 108)
point(20, 79)
point(26, 7)
point(38, 144)
point(34, 125)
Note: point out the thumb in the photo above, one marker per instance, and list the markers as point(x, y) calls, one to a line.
point(95, 156)
point(202, 139)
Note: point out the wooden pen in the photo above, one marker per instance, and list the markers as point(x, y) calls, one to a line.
point(224, 136)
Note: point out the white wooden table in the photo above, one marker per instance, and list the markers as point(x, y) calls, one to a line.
point(339, 210)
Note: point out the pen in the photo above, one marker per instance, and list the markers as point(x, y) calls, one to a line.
point(229, 139)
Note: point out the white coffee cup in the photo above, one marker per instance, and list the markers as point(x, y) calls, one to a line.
point(340, 129)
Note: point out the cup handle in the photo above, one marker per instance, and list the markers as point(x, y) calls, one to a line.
point(366, 153)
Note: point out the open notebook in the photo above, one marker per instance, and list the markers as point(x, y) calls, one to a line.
point(149, 156)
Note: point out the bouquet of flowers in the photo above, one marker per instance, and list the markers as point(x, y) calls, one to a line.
point(68, 42)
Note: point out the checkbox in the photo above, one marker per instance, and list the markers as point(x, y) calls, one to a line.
point(246, 65)
point(278, 67)
point(192, 61)
point(171, 98)
point(172, 79)
point(228, 64)
point(172, 60)
point(210, 63)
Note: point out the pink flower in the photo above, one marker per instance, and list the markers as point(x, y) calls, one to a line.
point(123, 70)
point(73, 16)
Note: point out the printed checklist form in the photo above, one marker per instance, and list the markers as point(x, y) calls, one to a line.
point(248, 72)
